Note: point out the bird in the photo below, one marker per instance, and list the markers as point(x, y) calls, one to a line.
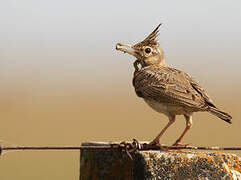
point(165, 89)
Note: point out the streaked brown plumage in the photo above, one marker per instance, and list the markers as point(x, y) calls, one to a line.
point(165, 89)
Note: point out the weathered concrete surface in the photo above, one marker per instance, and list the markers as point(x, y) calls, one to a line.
point(152, 165)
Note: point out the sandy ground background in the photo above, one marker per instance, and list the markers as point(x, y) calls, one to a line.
point(63, 83)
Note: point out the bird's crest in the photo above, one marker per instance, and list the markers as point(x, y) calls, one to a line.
point(151, 39)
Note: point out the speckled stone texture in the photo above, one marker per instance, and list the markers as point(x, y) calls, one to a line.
point(152, 165)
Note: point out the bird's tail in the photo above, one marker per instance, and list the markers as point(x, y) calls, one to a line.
point(222, 115)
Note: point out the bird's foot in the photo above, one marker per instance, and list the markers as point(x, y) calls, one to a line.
point(180, 145)
point(155, 145)
point(155, 142)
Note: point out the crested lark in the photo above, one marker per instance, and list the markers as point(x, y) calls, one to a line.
point(165, 89)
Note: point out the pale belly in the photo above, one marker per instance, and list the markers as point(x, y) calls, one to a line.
point(166, 108)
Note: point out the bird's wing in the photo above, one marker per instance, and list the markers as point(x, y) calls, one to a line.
point(168, 85)
point(208, 101)
point(201, 91)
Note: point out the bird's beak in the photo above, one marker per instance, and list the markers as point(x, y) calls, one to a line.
point(129, 49)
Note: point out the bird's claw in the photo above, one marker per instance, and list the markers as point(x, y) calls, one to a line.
point(180, 145)
point(155, 143)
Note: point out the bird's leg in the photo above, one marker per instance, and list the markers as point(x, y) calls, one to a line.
point(188, 126)
point(156, 141)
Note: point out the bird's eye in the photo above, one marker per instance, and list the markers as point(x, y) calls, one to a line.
point(148, 50)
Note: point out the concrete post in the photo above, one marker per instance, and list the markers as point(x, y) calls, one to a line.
point(104, 164)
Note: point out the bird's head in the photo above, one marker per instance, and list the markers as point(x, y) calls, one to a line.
point(148, 52)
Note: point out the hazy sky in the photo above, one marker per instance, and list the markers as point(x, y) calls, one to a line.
point(66, 39)
point(63, 82)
